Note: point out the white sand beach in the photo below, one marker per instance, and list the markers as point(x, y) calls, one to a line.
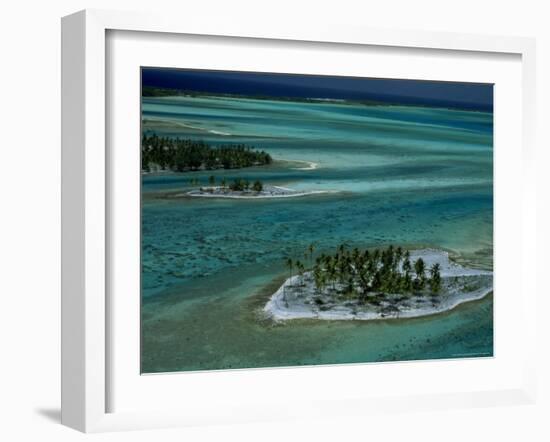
point(298, 298)
point(309, 165)
point(266, 192)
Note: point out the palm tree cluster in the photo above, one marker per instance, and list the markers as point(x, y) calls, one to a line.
point(358, 273)
point(242, 184)
point(185, 154)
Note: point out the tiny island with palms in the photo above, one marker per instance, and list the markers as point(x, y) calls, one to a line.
point(242, 188)
point(375, 284)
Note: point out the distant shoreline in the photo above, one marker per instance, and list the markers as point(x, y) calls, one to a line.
point(156, 92)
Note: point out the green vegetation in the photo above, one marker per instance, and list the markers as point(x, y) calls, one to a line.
point(242, 184)
point(149, 91)
point(239, 184)
point(357, 273)
point(187, 155)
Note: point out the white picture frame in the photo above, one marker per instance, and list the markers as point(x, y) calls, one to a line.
point(85, 208)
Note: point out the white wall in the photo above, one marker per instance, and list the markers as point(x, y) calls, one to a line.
point(30, 221)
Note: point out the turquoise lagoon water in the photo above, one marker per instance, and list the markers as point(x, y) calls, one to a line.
point(413, 176)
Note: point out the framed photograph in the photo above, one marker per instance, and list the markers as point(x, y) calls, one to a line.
point(295, 220)
point(261, 223)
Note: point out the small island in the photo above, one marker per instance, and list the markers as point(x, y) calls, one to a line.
point(375, 284)
point(242, 188)
point(187, 155)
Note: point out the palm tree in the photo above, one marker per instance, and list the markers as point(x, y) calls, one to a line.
point(390, 257)
point(319, 278)
point(375, 256)
point(289, 264)
point(366, 255)
point(341, 249)
point(419, 268)
point(364, 278)
point(257, 186)
point(356, 260)
point(300, 267)
point(332, 272)
point(311, 249)
point(376, 281)
point(343, 264)
point(350, 287)
point(398, 256)
point(435, 280)
point(405, 283)
point(406, 266)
